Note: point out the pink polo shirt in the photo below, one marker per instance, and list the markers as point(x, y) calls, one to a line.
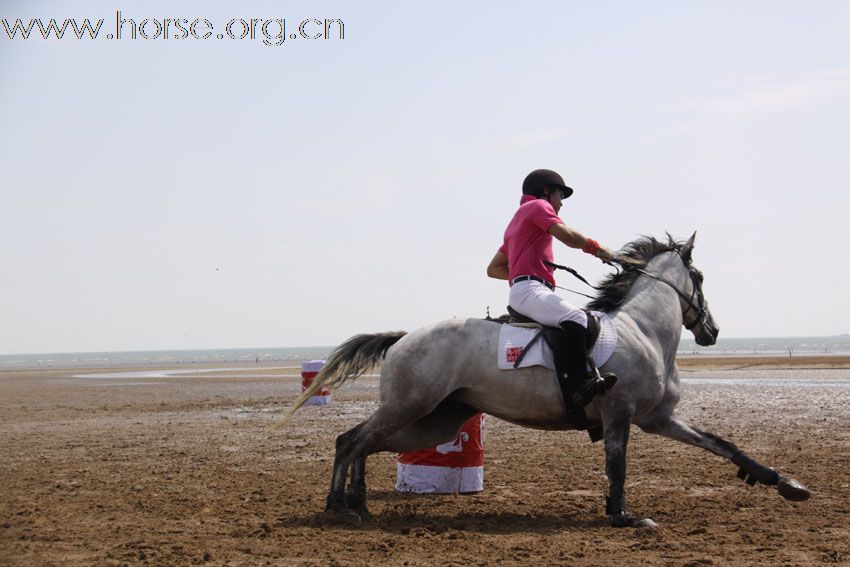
point(527, 244)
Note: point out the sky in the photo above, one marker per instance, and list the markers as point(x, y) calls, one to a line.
point(188, 193)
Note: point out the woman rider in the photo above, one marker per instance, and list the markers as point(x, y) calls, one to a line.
point(522, 260)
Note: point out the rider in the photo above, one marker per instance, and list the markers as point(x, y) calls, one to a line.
point(522, 260)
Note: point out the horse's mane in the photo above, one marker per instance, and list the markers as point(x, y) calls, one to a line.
point(636, 254)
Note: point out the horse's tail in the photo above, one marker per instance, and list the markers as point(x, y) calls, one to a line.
point(347, 362)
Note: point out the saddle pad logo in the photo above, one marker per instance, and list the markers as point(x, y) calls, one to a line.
point(512, 352)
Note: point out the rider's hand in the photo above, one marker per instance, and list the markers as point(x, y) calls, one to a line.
point(604, 254)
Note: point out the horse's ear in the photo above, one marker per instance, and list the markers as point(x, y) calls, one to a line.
point(688, 248)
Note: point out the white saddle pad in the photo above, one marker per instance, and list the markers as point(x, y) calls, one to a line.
point(512, 340)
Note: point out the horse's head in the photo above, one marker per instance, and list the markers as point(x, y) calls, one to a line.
point(635, 259)
point(695, 313)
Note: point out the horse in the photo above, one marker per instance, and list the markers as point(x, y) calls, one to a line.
point(435, 378)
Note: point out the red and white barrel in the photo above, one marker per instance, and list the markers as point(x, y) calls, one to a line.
point(456, 466)
point(309, 370)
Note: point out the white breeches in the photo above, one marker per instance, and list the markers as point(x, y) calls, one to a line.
point(535, 300)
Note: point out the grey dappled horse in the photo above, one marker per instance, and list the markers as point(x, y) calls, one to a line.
point(436, 378)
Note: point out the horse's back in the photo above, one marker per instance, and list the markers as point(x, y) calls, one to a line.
point(445, 344)
point(426, 362)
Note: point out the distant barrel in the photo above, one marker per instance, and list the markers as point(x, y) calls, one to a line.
point(309, 370)
point(456, 466)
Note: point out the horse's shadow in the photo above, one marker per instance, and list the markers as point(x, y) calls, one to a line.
point(407, 521)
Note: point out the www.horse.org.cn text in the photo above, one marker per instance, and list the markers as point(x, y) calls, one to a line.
point(268, 31)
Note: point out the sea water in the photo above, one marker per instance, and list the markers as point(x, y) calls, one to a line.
point(769, 346)
point(171, 358)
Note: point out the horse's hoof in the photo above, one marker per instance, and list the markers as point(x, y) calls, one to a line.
point(626, 520)
point(646, 523)
point(343, 516)
point(362, 511)
point(790, 489)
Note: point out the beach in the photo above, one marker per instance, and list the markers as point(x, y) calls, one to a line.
point(739, 362)
point(127, 466)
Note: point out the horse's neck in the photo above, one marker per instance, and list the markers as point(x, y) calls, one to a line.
point(655, 306)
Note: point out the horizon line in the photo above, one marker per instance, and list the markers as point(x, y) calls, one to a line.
point(332, 346)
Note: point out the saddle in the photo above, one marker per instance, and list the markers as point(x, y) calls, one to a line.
point(556, 338)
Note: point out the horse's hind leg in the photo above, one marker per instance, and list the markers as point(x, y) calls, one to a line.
point(441, 425)
point(353, 447)
point(342, 460)
point(749, 469)
point(355, 498)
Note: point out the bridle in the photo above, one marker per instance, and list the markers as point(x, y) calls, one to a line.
point(701, 311)
point(699, 307)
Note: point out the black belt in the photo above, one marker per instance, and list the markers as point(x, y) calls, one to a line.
point(534, 278)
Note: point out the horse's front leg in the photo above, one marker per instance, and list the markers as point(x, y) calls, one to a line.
point(749, 469)
point(616, 441)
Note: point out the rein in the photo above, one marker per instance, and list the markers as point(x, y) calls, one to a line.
point(574, 273)
point(577, 276)
point(699, 308)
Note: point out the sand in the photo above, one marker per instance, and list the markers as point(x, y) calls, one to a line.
point(763, 362)
point(187, 470)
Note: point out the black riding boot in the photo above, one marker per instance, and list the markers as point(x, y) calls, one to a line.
point(575, 365)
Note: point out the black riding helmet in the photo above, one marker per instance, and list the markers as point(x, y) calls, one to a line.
point(539, 179)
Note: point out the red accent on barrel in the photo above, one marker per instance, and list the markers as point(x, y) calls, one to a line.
point(309, 370)
point(467, 449)
point(307, 380)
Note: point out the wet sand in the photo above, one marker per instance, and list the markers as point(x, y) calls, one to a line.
point(186, 469)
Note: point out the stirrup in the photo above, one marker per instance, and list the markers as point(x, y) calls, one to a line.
point(592, 387)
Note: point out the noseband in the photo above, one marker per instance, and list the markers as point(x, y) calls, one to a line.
point(702, 313)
